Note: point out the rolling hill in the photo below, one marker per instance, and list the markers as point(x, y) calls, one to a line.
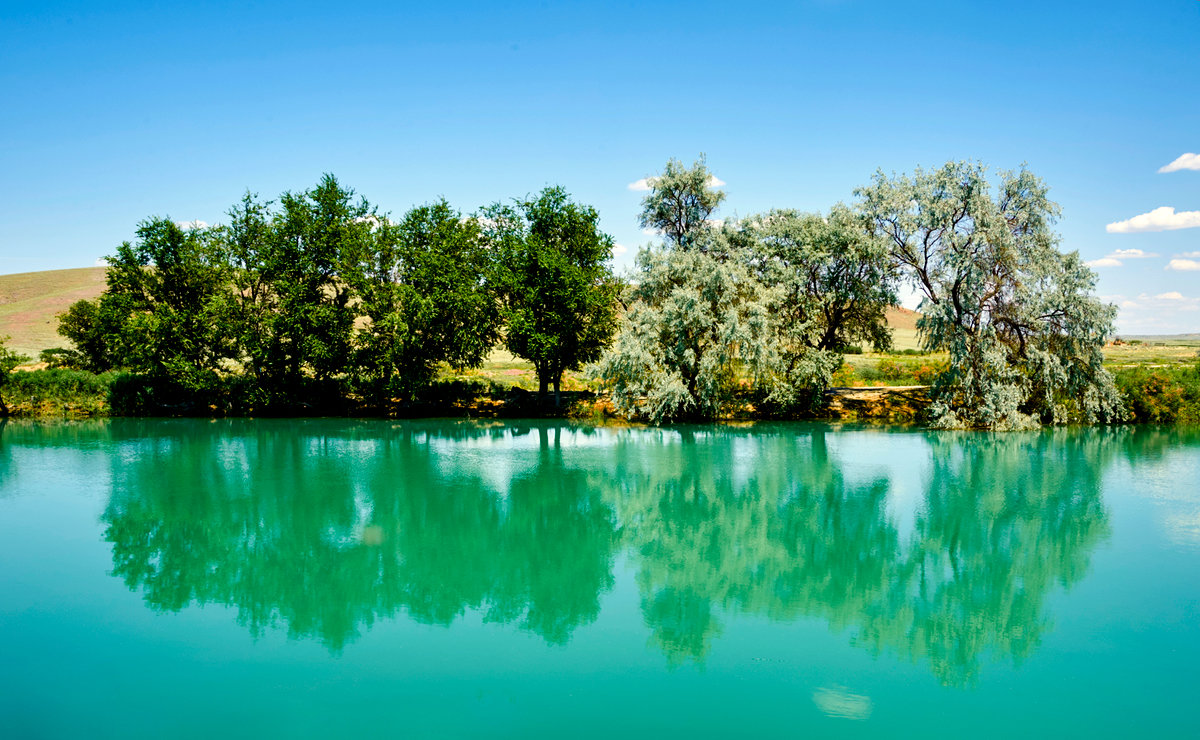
point(31, 301)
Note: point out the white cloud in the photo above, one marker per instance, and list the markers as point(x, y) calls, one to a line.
point(715, 182)
point(619, 249)
point(1163, 218)
point(100, 262)
point(650, 232)
point(189, 225)
point(1183, 265)
point(1114, 259)
point(1166, 313)
point(1188, 161)
point(1131, 254)
point(1190, 255)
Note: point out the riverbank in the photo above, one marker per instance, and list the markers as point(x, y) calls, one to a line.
point(1159, 395)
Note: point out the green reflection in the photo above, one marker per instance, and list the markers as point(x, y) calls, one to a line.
point(943, 552)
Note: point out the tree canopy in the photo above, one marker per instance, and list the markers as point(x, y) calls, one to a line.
point(680, 202)
point(320, 300)
point(558, 293)
point(1018, 317)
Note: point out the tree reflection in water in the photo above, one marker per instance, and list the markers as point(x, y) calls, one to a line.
point(322, 527)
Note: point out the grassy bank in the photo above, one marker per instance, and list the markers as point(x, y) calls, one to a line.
point(1155, 394)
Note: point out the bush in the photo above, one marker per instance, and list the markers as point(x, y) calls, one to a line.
point(844, 375)
point(1161, 395)
point(58, 391)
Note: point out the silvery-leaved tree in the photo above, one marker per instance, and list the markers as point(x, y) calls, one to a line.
point(1018, 317)
point(680, 201)
point(697, 321)
point(832, 282)
point(837, 277)
point(694, 325)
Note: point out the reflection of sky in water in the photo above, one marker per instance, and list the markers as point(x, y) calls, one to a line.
point(1172, 482)
point(838, 575)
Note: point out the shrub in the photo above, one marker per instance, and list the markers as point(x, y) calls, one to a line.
point(1161, 395)
point(58, 391)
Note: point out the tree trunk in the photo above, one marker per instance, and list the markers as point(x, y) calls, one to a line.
point(543, 386)
point(557, 395)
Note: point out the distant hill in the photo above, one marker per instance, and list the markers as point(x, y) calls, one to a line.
point(1165, 338)
point(31, 301)
point(902, 318)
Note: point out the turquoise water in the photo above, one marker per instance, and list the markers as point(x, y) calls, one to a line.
point(443, 579)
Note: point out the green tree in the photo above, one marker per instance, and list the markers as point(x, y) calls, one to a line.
point(680, 202)
point(319, 241)
point(426, 300)
point(162, 311)
point(8, 361)
point(1018, 317)
point(248, 241)
point(558, 291)
point(94, 328)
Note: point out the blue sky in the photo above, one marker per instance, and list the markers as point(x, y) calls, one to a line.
point(113, 112)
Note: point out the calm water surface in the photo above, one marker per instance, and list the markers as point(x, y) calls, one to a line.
point(432, 579)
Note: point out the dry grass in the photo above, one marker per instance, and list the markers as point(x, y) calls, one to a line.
point(31, 301)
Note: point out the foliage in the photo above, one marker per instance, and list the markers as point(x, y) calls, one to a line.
point(161, 314)
point(558, 292)
point(95, 329)
point(911, 372)
point(694, 322)
point(836, 278)
point(314, 248)
point(60, 392)
point(1018, 317)
point(426, 300)
point(1161, 395)
point(8, 361)
point(680, 202)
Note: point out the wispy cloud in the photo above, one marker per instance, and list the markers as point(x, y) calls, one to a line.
point(1188, 161)
point(1131, 254)
point(1183, 265)
point(715, 182)
point(619, 249)
point(1115, 259)
point(1171, 312)
point(1163, 218)
point(189, 225)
